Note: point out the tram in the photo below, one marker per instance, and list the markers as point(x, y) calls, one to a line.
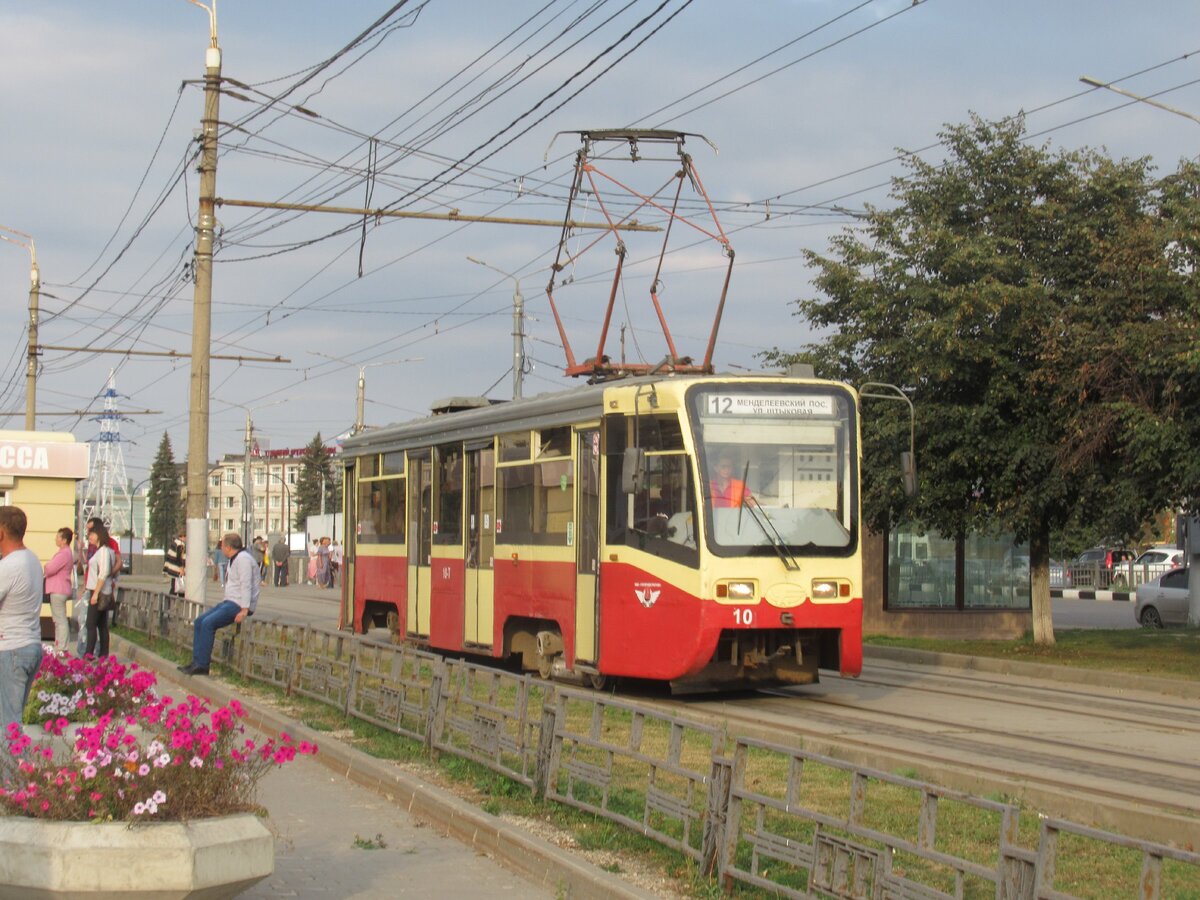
point(702, 530)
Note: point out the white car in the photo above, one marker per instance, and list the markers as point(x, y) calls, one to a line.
point(1152, 563)
point(1164, 600)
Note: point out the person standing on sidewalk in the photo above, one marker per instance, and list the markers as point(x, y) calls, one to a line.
point(99, 590)
point(279, 560)
point(57, 573)
point(21, 586)
point(335, 562)
point(242, 586)
point(175, 563)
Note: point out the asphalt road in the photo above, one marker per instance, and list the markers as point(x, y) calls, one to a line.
point(1093, 614)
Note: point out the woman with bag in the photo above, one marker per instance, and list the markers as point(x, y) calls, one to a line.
point(98, 592)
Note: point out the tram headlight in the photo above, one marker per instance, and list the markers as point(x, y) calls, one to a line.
point(824, 589)
point(741, 590)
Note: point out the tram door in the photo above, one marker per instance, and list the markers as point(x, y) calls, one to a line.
point(587, 544)
point(349, 547)
point(420, 540)
point(481, 544)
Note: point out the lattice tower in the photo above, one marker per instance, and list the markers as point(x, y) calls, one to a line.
point(106, 491)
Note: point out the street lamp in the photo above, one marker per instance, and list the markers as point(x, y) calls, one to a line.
point(518, 332)
point(132, 494)
point(361, 395)
point(287, 510)
point(1095, 82)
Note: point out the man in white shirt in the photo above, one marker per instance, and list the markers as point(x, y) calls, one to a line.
point(242, 583)
point(20, 617)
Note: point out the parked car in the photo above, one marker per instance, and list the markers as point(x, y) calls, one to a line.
point(1095, 567)
point(1163, 601)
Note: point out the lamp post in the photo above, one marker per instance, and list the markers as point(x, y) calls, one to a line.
point(132, 494)
point(1193, 548)
point(361, 393)
point(518, 332)
point(287, 510)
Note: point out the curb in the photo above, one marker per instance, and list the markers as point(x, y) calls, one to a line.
point(535, 859)
point(1189, 690)
point(1092, 594)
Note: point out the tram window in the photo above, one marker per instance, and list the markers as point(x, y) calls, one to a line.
point(662, 515)
point(661, 433)
point(536, 503)
point(554, 442)
point(393, 463)
point(449, 502)
point(368, 466)
point(514, 447)
point(381, 511)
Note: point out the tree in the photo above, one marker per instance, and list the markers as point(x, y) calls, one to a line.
point(316, 473)
point(1040, 308)
point(163, 501)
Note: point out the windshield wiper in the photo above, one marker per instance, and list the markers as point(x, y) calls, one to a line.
point(772, 533)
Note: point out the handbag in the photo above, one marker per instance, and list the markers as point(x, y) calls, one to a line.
point(105, 602)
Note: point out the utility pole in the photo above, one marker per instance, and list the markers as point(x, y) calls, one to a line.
point(32, 365)
point(518, 332)
point(197, 462)
point(21, 239)
point(360, 400)
point(248, 512)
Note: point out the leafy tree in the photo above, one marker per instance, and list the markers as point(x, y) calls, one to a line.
point(316, 471)
point(1040, 308)
point(164, 500)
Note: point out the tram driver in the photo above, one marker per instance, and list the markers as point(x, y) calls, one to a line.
point(723, 488)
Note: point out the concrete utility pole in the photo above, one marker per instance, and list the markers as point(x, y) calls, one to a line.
point(248, 513)
point(518, 332)
point(21, 239)
point(197, 461)
point(31, 366)
point(1193, 547)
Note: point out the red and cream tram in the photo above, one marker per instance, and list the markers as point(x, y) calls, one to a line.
point(701, 530)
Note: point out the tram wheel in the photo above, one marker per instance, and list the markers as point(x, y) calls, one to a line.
point(597, 681)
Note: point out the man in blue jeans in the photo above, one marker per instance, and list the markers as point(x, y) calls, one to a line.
point(241, 597)
point(20, 617)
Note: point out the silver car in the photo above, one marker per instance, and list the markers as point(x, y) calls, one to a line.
point(1164, 600)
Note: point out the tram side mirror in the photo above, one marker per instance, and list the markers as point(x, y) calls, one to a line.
point(908, 473)
point(633, 469)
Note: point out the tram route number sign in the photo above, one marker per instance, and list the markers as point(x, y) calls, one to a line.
point(800, 405)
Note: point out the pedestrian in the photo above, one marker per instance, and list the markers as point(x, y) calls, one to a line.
point(279, 558)
point(258, 549)
point(99, 590)
point(57, 573)
point(21, 589)
point(323, 578)
point(312, 561)
point(335, 562)
point(175, 564)
point(89, 550)
point(241, 599)
point(220, 563)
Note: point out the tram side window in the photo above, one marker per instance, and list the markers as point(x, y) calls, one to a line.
point(535, 503)
point(381, 511)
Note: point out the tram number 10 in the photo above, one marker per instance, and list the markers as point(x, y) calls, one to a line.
point(743, 616)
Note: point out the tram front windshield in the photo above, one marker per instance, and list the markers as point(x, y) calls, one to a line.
point(777, 464)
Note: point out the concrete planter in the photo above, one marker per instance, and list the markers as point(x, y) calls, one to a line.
point(207, 858)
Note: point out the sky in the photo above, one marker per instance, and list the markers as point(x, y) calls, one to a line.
point(471, 106)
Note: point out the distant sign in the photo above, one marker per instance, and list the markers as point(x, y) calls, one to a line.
point(768, 405)
point(43, 459)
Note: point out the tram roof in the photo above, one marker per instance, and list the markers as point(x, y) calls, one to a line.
point(541, 411)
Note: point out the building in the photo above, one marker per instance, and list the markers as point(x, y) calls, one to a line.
point(265, 505)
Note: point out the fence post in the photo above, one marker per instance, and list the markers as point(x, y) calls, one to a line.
point(439, 689)
point(351, 680)
point(541, 762)
point(716, 813)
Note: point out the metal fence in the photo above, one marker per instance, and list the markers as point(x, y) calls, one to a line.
point(751, 813)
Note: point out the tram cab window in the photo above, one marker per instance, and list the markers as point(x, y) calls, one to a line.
point(661, 516)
